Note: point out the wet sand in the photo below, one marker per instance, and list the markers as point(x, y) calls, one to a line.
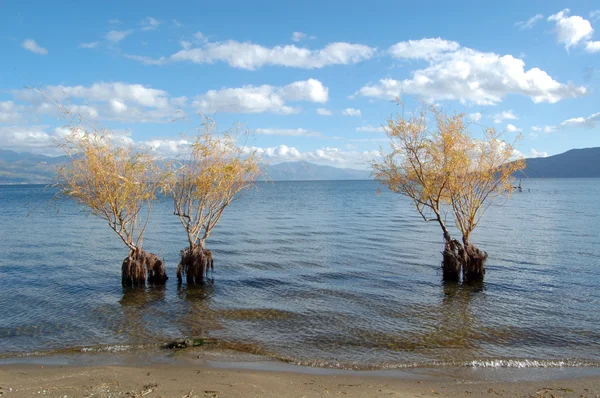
point(204, 374)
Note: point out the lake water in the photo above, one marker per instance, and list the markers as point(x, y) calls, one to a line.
point(320, 273)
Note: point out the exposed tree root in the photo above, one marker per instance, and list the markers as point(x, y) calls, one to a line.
point(140, 264)
point(451, 261)
point(194, 265)
point(473, 262)
point(469, 258)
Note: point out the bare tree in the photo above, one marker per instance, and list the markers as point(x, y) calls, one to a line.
point(216, 171)
point(437, 164)
point(118, 185)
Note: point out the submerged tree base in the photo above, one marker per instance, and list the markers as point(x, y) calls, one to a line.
point(194, 265)
point(140, 264)
point(468, 258)
point(473, 264)
point(451, 261)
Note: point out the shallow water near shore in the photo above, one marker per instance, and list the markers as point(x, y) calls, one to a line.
point(323, 274)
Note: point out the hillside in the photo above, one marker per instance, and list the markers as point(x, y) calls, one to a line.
point(576, 163)
point(28, 168)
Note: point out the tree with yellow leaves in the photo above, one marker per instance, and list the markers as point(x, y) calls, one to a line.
point(437, 164)
point(118, 185)
point(215, 172)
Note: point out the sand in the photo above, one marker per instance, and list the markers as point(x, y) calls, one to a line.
point(196, 374)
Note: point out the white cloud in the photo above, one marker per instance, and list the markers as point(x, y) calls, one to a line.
point(177, 23)
point(324, 112)
point(31, 45)
point(504, 115)
point(10, 112)
point(116, 101)
point(150, 24)
point(35, 139)
point(306, 90)
point(351, 112)
point(252, 56)
point(289, 132)
point(92, 44)
point(511, 128)
point(536, 154)
point(530, 23)
point(422, 49)
point(544, 129)
point(588, 122)
point(326, 156)
point(258, 99)
point(571, 30)
point(474, 117)
point(592, 46)
point(185, 44)
point(474, 77)
point(371, 129)
point(117, 35)
point(148, 60)
point(298, 36)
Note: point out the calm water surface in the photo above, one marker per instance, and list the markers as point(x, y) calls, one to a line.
point(319, 273)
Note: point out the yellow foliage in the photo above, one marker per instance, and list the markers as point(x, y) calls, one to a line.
point(435, 162)
point(112, 180)
point(215, 172)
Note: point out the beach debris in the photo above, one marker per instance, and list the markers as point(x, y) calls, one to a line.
point(211, 394)
point(184, 343)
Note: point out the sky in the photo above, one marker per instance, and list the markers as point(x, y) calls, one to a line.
point(312, 80)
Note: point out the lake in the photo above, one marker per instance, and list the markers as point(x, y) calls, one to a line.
point(325, 273)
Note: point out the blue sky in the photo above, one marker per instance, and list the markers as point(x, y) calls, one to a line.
point(312, 80)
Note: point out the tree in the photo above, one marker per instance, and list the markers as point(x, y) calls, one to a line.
point(437, 164)
point(118, 185)
point(215, 172)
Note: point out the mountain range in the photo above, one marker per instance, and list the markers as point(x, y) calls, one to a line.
point(28, 168)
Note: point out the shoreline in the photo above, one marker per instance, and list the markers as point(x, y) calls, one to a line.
point(201, 372)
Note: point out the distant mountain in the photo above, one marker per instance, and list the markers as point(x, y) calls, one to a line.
point(304, 171)
point(576, 163)
point(29, 168)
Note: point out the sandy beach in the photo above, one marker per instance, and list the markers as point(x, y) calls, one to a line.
point(197, 374)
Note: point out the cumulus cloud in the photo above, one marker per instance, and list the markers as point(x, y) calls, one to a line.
point(324, 112)
point(258, 99)
point(504, 115)
point(536, 154)
point(10, 112)
point(530, 23)
point(592, 46)
point(422, 49)
point(325, 156)
point(114, 101)
point(474, 77)
point(117, 35)
point(250, 56)
point(288, 132)
point(150, 24)
point(92, 44)
point(298, 36)
point(351, 112)
point(570, 30)
point(588, 122)
point(31, 45)
point(475, 117)
point(511, 128)
point(35, 139)
point(371, 129)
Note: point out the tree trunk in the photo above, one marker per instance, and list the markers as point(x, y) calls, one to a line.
point(451, 261)
point(194, 265)
point(140, 264)
point(473, 262)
